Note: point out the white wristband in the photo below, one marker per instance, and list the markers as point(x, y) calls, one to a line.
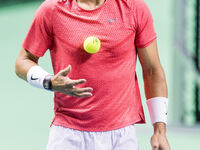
point(36, 75)
point(158, 109)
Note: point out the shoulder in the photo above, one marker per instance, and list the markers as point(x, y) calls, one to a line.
point(46, 9)
point(49, 5)
point(131, 4)
point(137, 4)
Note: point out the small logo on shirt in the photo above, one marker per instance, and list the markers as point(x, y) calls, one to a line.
point(112, 20)
point(32, 78)
point(67, 3)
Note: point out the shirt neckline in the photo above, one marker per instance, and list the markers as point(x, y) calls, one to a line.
point(92, 10)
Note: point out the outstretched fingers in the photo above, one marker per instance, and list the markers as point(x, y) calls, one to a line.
point(76, 82)
point(65, 71)
point(82, 92)
point(86, 94)
point(63, 84)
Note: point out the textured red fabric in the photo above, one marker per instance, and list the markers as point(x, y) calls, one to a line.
point(122, 26)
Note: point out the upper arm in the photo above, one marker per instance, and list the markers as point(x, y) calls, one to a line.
point(149, 58)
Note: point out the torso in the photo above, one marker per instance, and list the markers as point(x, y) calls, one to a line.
point(110, 72)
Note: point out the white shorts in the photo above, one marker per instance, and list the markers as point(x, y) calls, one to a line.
point(62, 138)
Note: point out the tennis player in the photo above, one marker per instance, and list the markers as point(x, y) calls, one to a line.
point(97, 99)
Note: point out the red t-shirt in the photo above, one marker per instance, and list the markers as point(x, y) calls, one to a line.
point(122, 26)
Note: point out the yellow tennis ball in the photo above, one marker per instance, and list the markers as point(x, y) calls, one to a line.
point(92, 45)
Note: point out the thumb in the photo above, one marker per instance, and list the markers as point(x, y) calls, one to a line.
point(65, 71)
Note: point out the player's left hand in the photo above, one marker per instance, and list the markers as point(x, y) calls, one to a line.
point(159, 142)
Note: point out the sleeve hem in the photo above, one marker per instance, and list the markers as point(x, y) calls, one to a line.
point(32, 51)
point(147, 43)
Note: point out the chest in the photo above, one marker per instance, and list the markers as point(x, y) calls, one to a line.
point(113, 28)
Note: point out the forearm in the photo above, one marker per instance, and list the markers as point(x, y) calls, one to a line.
point(22, 67)
point(155, 83)
point(156, 86)
point(156, 93)
point(23, 64)
point(27, 69)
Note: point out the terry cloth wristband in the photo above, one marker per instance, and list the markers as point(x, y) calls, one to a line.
point(36, 76)
point(158, 109)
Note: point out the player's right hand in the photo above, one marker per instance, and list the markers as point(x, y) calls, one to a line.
point(63, 84)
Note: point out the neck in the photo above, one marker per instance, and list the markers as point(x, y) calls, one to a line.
point(90, 1)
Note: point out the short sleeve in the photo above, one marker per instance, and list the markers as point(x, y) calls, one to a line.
point(39, 37)
point(144, 27)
